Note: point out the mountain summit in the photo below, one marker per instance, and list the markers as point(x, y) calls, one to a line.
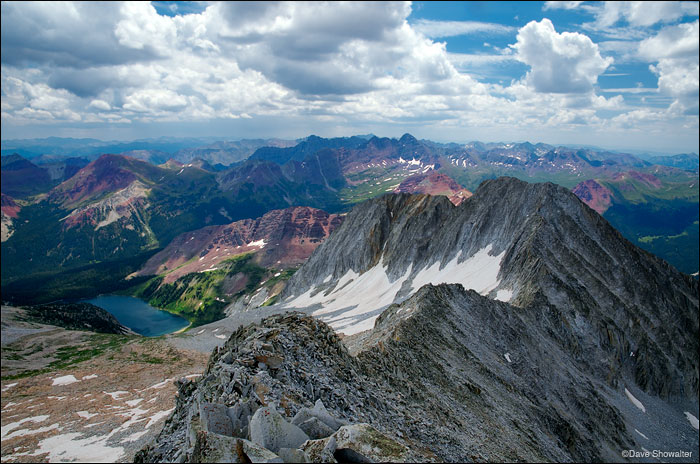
point(531, 245)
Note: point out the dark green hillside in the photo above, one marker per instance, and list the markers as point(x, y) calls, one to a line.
point(666, 228)
point(76, 283)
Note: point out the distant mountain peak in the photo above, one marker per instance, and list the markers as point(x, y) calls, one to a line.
point(407, 138)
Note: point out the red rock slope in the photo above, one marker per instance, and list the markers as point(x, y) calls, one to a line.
point(434, 183)
point(280, 239)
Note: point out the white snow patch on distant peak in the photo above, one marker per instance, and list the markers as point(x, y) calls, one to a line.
point(223, 337)
point(692, 419)
point(258, 243)
point(635, 401)
point(91, 376)
point(64, 380)
point(641, 434)
point(507, 356)
point(86, 415)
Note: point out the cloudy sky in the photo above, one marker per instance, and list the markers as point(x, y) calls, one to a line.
point(616, 75)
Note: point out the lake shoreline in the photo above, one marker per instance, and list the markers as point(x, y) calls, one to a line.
point(139, 316)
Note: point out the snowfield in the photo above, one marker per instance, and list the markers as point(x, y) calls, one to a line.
point(357, 299)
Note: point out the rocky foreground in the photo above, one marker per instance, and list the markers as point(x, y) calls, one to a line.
point(443, 376)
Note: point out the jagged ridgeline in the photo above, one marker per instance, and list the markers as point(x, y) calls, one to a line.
point(518, 326)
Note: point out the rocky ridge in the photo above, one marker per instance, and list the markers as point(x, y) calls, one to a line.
point(532, 245)
point(284, 389)
point(591, 350)
point(77, 316)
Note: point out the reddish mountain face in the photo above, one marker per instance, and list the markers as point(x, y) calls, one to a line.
point(9, 207)
point(594, 195)
point(108, 173)
point(279, 239)
point(434, 183)
point(9, 212)
point(648, 179)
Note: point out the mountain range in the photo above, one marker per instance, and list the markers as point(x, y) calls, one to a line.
point(65, 214)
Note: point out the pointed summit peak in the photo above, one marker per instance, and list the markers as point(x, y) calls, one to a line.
point(407, 138)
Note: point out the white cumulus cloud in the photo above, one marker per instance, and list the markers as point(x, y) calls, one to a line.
point(559, 63)
point(675, 51)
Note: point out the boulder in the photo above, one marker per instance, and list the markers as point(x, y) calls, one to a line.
point(211, 447)
point(214, 418)
point(255, 453)
point(292, 455)
point(315, 429)
point(239, 414)
point(269, 429)
point(320, 412)
point(320, 450)
point(356, 443)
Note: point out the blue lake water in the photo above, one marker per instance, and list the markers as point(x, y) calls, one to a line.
point(139, 316)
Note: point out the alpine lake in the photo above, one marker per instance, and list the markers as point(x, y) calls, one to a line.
point(139, 316)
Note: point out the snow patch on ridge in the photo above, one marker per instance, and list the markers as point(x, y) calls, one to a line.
point(64, 380)
point(635, 401)
point(347, 308)
point(479, 272)
point(356, 300)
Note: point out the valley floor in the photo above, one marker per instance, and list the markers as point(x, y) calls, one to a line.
point(79, 396)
